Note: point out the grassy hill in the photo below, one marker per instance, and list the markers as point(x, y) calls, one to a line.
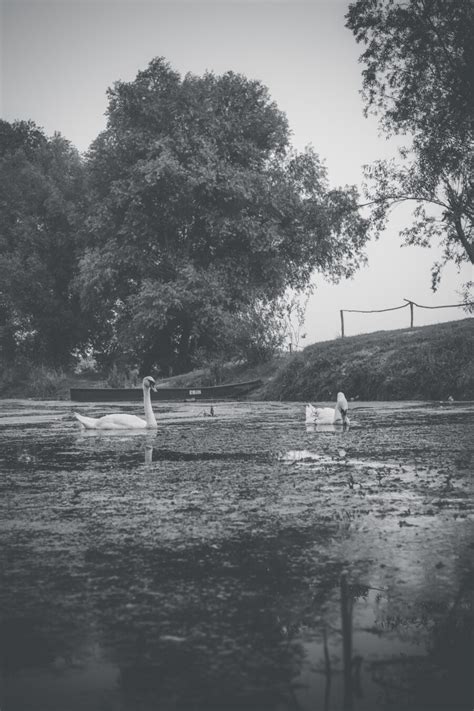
point(424, 363)
point(429, 362)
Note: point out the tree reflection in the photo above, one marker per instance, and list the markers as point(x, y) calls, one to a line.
point(211, 627)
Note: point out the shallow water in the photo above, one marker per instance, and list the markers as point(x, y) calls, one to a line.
point(242, 561)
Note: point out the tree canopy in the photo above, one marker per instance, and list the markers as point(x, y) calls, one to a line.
point(418, 79)
point(42, 193)
point(200, 210)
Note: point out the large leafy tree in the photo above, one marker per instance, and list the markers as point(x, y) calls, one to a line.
point(201, 210)
point(40, 209)
point(418, 78)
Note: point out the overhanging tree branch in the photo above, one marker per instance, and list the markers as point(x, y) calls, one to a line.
point(423, 51)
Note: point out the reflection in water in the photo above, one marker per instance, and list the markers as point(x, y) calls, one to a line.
point(148, 453)
point(263, 568)
point(346, 619)
point(119, 436)
point(391, 661)
point(327, 428)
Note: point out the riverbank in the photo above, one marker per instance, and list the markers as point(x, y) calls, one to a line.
point(424, 363)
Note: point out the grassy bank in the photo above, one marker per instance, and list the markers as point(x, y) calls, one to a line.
point(426, 363)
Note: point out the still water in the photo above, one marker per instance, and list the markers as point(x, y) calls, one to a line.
point(244, 561)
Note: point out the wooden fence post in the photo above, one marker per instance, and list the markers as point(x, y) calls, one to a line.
point(411, 310)
point(395, 308)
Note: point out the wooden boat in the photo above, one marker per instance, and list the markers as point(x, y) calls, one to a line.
point(216, 392)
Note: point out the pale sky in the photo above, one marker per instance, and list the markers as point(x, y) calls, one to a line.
point(58, 59)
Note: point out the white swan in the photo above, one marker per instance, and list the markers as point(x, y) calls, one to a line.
point(329, 415)
point(122, 421)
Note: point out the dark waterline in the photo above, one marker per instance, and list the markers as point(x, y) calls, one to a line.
point(243, 561)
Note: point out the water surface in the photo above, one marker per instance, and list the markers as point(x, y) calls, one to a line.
point(241, 561)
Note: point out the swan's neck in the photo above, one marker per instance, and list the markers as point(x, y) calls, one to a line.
point(149, 414)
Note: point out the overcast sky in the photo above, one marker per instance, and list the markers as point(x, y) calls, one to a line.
point(58, 59)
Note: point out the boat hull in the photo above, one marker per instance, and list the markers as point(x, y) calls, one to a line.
point(217, 392)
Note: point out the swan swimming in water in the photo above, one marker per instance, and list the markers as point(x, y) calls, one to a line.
point(123, 421)
point(329, 415)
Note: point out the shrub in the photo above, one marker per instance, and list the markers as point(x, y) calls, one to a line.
point(34, 381)
point(122, 378)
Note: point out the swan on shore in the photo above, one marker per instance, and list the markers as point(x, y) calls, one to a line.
point(329, 415)
point(122, 421)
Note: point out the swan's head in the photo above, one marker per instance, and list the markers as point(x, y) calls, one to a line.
point(342, 406)
point(149, 383)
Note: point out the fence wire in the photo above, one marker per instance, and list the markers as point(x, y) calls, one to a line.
point(409, 303)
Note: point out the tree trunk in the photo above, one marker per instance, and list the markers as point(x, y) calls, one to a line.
point(183, 361)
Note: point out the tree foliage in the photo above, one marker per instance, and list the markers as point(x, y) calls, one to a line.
point(418, 78)
point(42, 193)
point(201, 210)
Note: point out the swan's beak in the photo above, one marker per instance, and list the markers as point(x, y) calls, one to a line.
point(344, 415)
